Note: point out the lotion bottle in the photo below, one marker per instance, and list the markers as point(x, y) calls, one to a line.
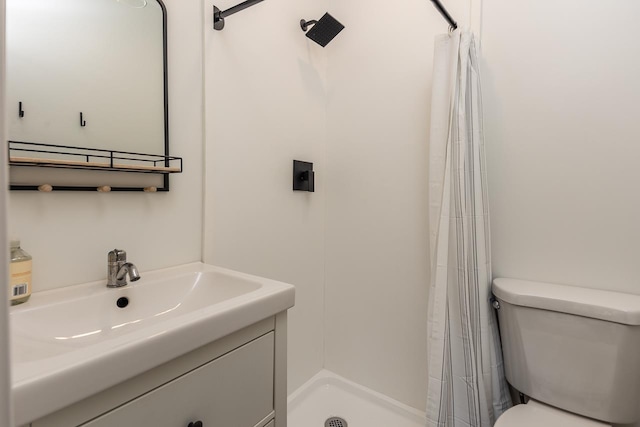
point(20, 274)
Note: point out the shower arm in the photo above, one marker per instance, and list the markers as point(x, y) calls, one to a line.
point(219, 15)
point(306, 24)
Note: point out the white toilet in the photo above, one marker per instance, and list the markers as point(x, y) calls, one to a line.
point(575, 352)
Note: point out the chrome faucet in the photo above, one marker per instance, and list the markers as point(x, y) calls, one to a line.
point(118, 268)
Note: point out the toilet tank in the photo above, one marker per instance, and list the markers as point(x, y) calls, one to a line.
point(573, 348)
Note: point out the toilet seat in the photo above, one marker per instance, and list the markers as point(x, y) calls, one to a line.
point(536, 414)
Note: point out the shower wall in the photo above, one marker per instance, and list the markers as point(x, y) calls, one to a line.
point(357, 248)
point(265, 87)
point(377, 260)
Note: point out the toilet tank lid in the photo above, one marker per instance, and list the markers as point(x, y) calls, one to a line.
point(598, 304)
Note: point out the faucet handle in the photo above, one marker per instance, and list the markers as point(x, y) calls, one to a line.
point(117, 255)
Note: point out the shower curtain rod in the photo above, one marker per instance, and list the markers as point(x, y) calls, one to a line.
point(219, 15)
point(445, 14)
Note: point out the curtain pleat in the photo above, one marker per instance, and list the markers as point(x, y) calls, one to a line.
point(466, 384)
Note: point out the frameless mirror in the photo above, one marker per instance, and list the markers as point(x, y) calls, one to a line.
point(88, 74)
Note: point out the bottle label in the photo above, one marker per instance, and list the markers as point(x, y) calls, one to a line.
point(20, 281)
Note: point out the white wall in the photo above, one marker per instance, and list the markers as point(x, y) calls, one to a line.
point(5, 380)
point(69, 234)
point(561, 94)
point(265, 107)
point(377, 271)
point(561, 111)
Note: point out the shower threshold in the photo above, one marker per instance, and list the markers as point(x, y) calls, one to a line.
point(328, 395)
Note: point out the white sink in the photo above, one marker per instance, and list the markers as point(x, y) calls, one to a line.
point(78, 340)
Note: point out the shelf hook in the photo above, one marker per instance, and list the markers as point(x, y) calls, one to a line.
point(83, 123)
point(20, 110)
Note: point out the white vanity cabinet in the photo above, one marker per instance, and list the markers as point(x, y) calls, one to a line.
point(237, 381)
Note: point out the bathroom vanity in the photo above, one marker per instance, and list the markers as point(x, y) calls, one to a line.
point(217, 358)
point(231, 382)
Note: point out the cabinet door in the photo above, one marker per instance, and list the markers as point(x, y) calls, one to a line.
point(235, 390)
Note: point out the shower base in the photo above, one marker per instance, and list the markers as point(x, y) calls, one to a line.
point(328, 395)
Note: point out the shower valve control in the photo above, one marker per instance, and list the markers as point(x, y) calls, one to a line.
point(303, 176)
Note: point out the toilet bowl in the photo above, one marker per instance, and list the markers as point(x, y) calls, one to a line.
point(536, 414)
point(572, 351)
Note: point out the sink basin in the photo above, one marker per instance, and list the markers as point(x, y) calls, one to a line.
point(93, 315)
point(86, 338)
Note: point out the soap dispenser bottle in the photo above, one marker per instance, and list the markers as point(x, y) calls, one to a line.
point(20, 277)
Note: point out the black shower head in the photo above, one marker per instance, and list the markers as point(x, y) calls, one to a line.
point(324, 30)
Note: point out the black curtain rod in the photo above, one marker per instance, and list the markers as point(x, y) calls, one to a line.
point(238, 8)
point(219, 15)
point(445, 14)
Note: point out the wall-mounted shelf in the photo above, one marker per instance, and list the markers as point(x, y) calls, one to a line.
point(68, 164)
point(38, 155)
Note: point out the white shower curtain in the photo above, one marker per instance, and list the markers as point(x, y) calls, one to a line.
point(466, 376)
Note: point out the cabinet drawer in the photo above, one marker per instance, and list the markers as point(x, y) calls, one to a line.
point(235, 390)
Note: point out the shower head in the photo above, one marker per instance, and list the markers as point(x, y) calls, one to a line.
point(324, 30)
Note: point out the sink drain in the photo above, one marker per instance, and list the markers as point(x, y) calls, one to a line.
point(122, 302)
point(335, 422)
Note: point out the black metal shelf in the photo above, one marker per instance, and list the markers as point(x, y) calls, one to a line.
point(42, 155)
point(91, 158)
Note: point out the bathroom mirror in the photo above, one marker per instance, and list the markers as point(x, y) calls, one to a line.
point(89, 74)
